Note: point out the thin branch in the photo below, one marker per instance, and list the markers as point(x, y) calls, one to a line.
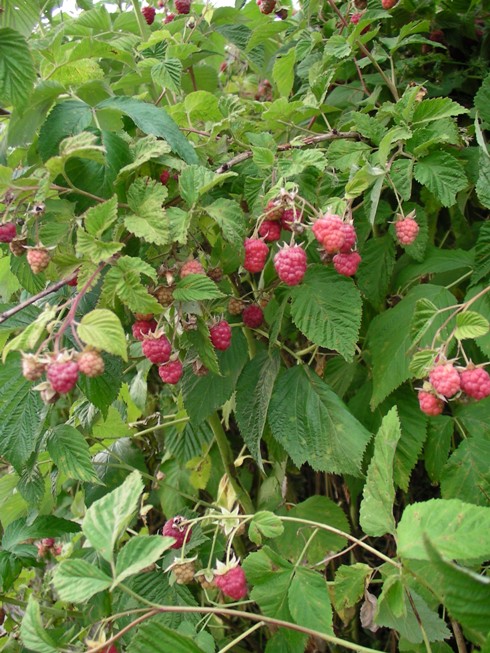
point(47, 291)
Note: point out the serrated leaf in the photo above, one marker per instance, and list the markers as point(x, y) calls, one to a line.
point(168, 74)
point(156, 637)
point(264, 524)
point(443, 175)
point(21, 530)
point(83, 145)
point(102, 329)
point(470, 324)
point(482, 100)
point(230, 218)
point(466, 474)
point(200, 339)
point(33, 632)
point(70, 453)
point(78, 580)
point(422, 362)
point(145, 198)
point(179, 223)
point(483, 184)
point(196, 180)
point(29, 337)
point(95, 250)
point(283, 72)
point(140, 552)
point(327, 309)
point(482, 254)
point(376, 268)
point(435, 109)
point(17, 73)
point(65, 119)
point(350, 581)
point(423, 317)
point(200, 471)
point(309, 601)
point(196, 287)
point(144, 149)
point(99, 218)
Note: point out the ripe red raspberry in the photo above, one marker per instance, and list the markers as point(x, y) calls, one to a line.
point(63, 376)
point(323, 226)
point(169, 18)
point(347, 264)
point(73, 282)
point(110, 649)
point(223, 66)
point(232, 583)
point(164, 177)
point(350, 237)
point(235, 306)
point(475, 382)
point(191, 267)
point(406, 230)
point(388, 4)
point(91, 363)
point(270, 230)
point(429, 403)
point(355, 18)
point(38, 258)
point(253, 316)
point(290, 264)
point(183, 6)
point(220, 335)
point(256, 253)
point(32, 367)
point(142, 328)
point(156, 348)
point(267, 6)
point(149, 14)
point(274, 208)
point(174, 528)
point(171, 372)
point(445, 379)
point(8, 231)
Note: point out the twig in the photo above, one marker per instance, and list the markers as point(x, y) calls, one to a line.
point(458, 636)
point(47, 291)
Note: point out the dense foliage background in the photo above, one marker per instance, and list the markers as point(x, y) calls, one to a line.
point(285, 209)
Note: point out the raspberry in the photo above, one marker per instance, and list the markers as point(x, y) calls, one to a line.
point(274, 208)
point(109, 649)
point(156, 348)
point(164, 177)
point(142, 328)
point(63, 376)
point(289, 217)
point(164, 295)
point(350, 237)
point(149, 14)
point(191, 267)
point(256, 253)
point(282, 14)
point(184, 571)
point(324, 225)
point(91, 363)
point(235, 306)
point(355, 18)
point(8, 231)
point(183, 6)
point(18, 246)
point(445, 379)
point(205, 578)
point(73, 282)
point(32, 367)
point(475, 382)
point(360, 4)
point(232, 583)
point(173, 528)
point(220, 335)
point(216, 274)
point(146, 317)
point(429, 403)
point(406, 230)
point(168, 18)
point(270, 230)
point(388, 4)
point(38, 258)
point(290, 264)
point(266, 6)
point(48, 542)
point(253, 316)
point(347, 264)
point(171, 372)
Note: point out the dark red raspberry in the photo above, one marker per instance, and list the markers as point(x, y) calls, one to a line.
point(110, 649)
point(270, 230)
point(156, 348)
point(232, 583)
point(191, 267)
point(169, 18)
point(63, 376)
point(223, 66)
point(38, 259)
point(407, 230)
point(73, 282)
point(164, 177)
point(174, 528)
point(256, 253)
point(8, 231)
point(290, 264)
point(266, 6)
point(346, 264)
point(142, 328)
point(149, 14)
point(429, 403)
point(183, 6)
point(289, 217)
point(171, 372)
point(350, 237)
point(220, 335)
point(91, 363)
point(445, 379)
point(475, 382)
point(388, 4)
point(253, 316)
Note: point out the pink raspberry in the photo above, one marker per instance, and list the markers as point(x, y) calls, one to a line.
point(253, 316)
point(232, 583)
point(445, 379)
point(220, 335)
point(174, 528)
point(289, 216)
point(156, 348)
point(406, 231)
point(322, 227)
point(274, 210)
point(270, 230)
point(164, 177)
point(191, 267)
point(63, 376)
point(183, 6)
point(429, 403)
point(142, 328)
point(169, 18)
point(171, 372)
point(475, 382)
point(355, 18)
point(290, 264)
point(256, 253)
point(8, 231)
point(347, 264)
point(350, 237)
point(149, 14)
point(91, 363)
point(38, 259)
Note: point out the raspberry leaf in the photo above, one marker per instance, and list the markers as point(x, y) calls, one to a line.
point(309, 601)
point(138, 553)
point(470, 324)
point(70, 453)
point(78, 580)
point(102, 329)
point(443, 175)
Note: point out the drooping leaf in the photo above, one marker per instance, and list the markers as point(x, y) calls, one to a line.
point(70, 453)
point(140, 552)
point(78, 580)
point(102, 329)
point(17, 73)
point(33, 633)
point(443, 175)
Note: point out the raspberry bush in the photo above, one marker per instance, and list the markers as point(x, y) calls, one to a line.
point(244, 274)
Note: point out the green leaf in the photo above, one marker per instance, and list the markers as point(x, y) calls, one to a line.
point(30, 336)
point(309, 601)
point(443, 175)
point(168, 73)
point(458, 530)
point(376, 514)
point(195, 181)
point(144, 149)
point(470, 324)
point(107, 518)
point(196, 287)
point(66, 119)
point(33, 633)
point(199, 339)
point(17, 73)
point(253, 395)
point(350, 581)
point(413, 434)
point(124, 282)
point(482, 254)
point(422, 362)
point(70, 453)
point(230, 219)
point(264, 524)
point(435, 109)
point(140, 552)
point(95, 250)
point(158, 638)
point(271, 576)
point(283, 72)
point(102, 329)
point(482, 100)
point(43, 526)
point(326, 307)
point(483, 184)
point(78, 580)
point(439, 437)
point(145, 198)
point(466, 475)
point(375, 269)
point(314, 425)
point(99, 218)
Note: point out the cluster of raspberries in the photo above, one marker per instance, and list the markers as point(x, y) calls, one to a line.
point(338, 239)
point(447, 381)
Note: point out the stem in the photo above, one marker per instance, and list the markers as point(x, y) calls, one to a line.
point(44, 293)
point(458, 636)
point(241, 637)
point(143, 27)
point(44, 608)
